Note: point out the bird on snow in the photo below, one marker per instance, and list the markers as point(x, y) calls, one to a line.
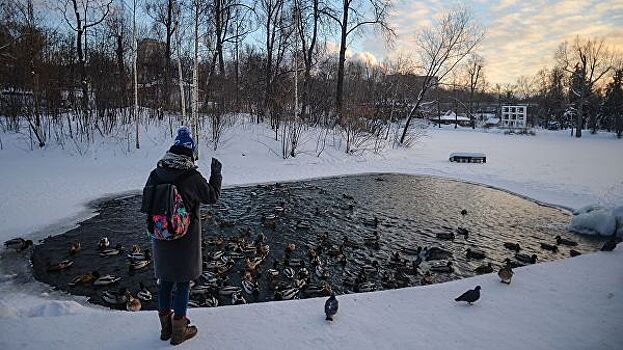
point(330, 307)
point(470, 296)
point(564, 241)
point(19, 244)
point(611, 244)
point(506, 273)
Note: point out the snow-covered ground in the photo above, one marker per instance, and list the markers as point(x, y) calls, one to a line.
point(571, 304)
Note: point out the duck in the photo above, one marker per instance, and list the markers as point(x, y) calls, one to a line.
point(366, 287)
point(373, 223)
point(462, 231)
point(86, 278)
point(372, 239)
point(506, 273)
point(321, 289)
point(323, 236)
point(388, 281)
point(396, 259)
point(229, 290)
point(512, 246)
point(525, 258)
point(464, 212)
point(290, 248)
point(248, 285)
point(475, 254)
point(103, 243)
point(59, 265)
point(144, 294)
point(106, 280)
point(289, 273)
point(132, 303)
point(115, 298)
point(321, 272)
point(225, 269)
point(412, 251)
point(303, 273)
point(111, 251)
point(447, 268)
point(445, 235)
point(336, 251)
point(238, 299)
point(139, 264)
point(550, 247)
point(402, 279)
point(611, 243)
point(512, 263)
point(218, 241)
point(482, 269)
point(351, 244)
point(564, 241)
point(74, 248)
point(18, 244)
point(372, 268)
point(252, 264)
point(427, 278)
point(259, 240)
point(311, 253)
point(299, 283)
point(263, 250)
point(144, 255)
point(210, 301)
point(287, 294)
point(436, 253)
point(574, 253)
point(192, 303)
point(272, 273)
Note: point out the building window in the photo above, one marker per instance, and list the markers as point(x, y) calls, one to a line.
point(513, 117)
point(520, 109)
point(505, 109)
point(505, 116)
point(513, 109)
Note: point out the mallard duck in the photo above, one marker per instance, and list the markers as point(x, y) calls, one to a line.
point(303, 272)
point(427, 278)
point(144, 294)
point(111, 251)
point(412, 251)
point(336, 251)
point(229, 290)
point(371, 269)
point(263, 250)
point(299, 283)
point(447, 268)
point(550, 247)
point(290, 248)
point(373, 223)
point(248, 285)
point(86, 278)
point(103, 243)
point(217, 241)
point(531, 259)
point(463, 232)
point(18, 244)
point(564, 241)
point(475, 254)
point(132, 303)
point(210, 301)
point(144, 255)
point(287, 294)
point(238, 299)
point(106, 280)
point(139, 264)
point(436, 253)
point(506, 273)
point(512, 246)
point(225, 269)
point(445, 235)
point(372, 239)
point(321, 272)
point(366, 287)
point(482, 269)
point(252, 264)
point(115, 298)
point(272, 273)
point(59, 265)
point(351, 244)
point(311, 253)
point(289, 273)
point(74, 248)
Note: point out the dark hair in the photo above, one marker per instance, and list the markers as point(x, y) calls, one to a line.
point(182, 151)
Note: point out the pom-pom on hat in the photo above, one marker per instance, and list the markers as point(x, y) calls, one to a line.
point(184, 143)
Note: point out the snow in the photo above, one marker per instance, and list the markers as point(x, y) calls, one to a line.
point(587, 209)
point(572, 304)
point(600, 222)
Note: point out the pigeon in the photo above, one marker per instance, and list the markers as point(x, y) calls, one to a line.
point(330, 307)
point(611, 244)
point(470, 296)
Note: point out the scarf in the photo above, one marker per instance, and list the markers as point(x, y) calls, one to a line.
point(176, 161)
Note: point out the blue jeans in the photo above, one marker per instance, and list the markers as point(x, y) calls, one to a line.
point(180, 302)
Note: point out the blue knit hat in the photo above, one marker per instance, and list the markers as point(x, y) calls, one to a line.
point(184, 138)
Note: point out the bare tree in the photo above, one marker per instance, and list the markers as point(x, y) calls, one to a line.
point(86, 15)
point(441, 47)
point(588, 61)
point(351, 16)
point(475, 76)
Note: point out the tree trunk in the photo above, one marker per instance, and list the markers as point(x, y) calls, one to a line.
point(342, 61)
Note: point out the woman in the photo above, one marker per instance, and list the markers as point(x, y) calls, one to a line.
point(177, 262)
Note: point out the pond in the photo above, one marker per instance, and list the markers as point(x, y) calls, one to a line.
point(364, 229)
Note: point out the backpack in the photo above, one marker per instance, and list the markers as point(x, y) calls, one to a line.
point(168, 217)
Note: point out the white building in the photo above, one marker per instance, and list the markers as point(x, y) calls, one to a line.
point(514, 117)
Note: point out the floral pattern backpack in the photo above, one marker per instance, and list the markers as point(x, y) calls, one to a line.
point(168, 217)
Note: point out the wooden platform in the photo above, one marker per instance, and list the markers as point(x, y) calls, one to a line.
point(463, 157)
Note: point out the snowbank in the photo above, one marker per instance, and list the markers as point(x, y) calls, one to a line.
point(567, 304)
point(600, 222)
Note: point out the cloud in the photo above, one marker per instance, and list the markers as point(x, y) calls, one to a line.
point(522, 36)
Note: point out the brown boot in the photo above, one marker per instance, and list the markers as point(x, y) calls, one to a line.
point(165, 325)
point(182, 331)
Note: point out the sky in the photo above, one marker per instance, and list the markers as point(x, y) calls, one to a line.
point(521, 35)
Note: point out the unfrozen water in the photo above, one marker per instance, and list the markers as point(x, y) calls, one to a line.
point(411, 211)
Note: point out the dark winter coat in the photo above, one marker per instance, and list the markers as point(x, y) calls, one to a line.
point(180, 260)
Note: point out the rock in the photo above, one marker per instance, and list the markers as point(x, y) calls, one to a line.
point(594, 222)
